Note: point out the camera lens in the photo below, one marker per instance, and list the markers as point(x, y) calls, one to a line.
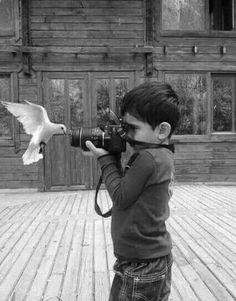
point(81, 135)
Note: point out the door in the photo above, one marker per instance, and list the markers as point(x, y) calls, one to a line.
point(67, 101)
point(78, 100)
point(108, 91)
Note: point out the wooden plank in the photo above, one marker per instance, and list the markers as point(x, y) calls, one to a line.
point(27, 277)
point(32, 176)
point(69, 290)
point(121, 11)
point(54, 246)
point(88, 4)
point(193, 252)
point(19, 262)
point(197, 284)
point(69, 26)
point(69, 205)
point(38, 285)
point(10, 239)
point(91, 34)
point(218, 251)
point(104, 19)
point(112, 41)
point(56, 278)
point(182, 286)
point(102, 283)
point(109, 249)
point(77, 204)
point(85, 279)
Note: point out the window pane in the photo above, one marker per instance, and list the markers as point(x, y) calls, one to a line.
point(221, 14)
point(76, 103)
point(5, 116)
point(57, 100)
point(222, 104)
point(103, 101)
point(121, 86)
point(6, 15)
point(183, 15)
point(192, 92)
point(78, 174)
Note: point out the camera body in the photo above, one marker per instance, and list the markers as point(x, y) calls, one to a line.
point(110, 138)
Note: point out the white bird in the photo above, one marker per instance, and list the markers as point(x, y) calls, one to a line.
point(35, 121)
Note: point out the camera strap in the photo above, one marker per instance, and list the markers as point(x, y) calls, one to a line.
point(96, 206)
point(144, 145)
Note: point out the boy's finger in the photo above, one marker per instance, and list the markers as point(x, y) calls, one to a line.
point(90, 146)
point(97, 152)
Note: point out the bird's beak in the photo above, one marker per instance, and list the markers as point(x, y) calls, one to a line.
point(64, 132)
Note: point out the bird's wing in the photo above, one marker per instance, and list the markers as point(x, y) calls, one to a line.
point(30, 115)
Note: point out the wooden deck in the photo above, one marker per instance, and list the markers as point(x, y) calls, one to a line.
point(53, 246)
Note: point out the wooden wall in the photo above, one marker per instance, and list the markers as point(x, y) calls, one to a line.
point(101, 35)
point(64, 36)
point(87, 23)
point(206, 161)
point(85, 32)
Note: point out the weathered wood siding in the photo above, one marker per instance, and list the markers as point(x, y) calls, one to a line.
point(87, 23)
point(178, 54)
point(212, 161)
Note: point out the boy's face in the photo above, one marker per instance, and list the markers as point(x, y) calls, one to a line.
point(142, 131)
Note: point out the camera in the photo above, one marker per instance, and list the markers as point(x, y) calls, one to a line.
point(109, 137)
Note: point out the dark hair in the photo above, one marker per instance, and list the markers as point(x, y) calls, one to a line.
point(154, 103)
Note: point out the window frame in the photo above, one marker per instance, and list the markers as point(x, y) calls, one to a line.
point(15, 31)
point(207, 32)
point(232, 76)
point(210, 134)
point(14, 139)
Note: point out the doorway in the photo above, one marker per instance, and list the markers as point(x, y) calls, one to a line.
point(78, 100)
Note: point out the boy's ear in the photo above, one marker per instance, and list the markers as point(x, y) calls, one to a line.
point(164, 130)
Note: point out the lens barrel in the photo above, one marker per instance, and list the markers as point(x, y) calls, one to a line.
point(109, 139)
point(95, 135)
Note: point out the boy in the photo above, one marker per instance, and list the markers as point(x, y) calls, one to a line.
point(140, 196)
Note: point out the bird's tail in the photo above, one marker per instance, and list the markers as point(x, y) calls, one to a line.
point(32, 154)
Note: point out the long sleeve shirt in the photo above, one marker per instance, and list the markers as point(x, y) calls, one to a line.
point(140, 199)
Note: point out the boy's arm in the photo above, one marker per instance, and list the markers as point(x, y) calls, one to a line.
point(125, 190)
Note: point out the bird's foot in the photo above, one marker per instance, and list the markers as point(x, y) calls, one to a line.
point(42, 145)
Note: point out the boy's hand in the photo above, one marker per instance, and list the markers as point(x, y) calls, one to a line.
point(94, 151)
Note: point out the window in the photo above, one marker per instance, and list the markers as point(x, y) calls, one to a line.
point(221, 14)
point(109, 93)
point(192, 92)
point(204, 112)
point(71, 90)
point(201, 15)
point(5, 116)
point(9, 18)
point(183, 15)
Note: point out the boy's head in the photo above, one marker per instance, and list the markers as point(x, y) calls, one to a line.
point(154, 103)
